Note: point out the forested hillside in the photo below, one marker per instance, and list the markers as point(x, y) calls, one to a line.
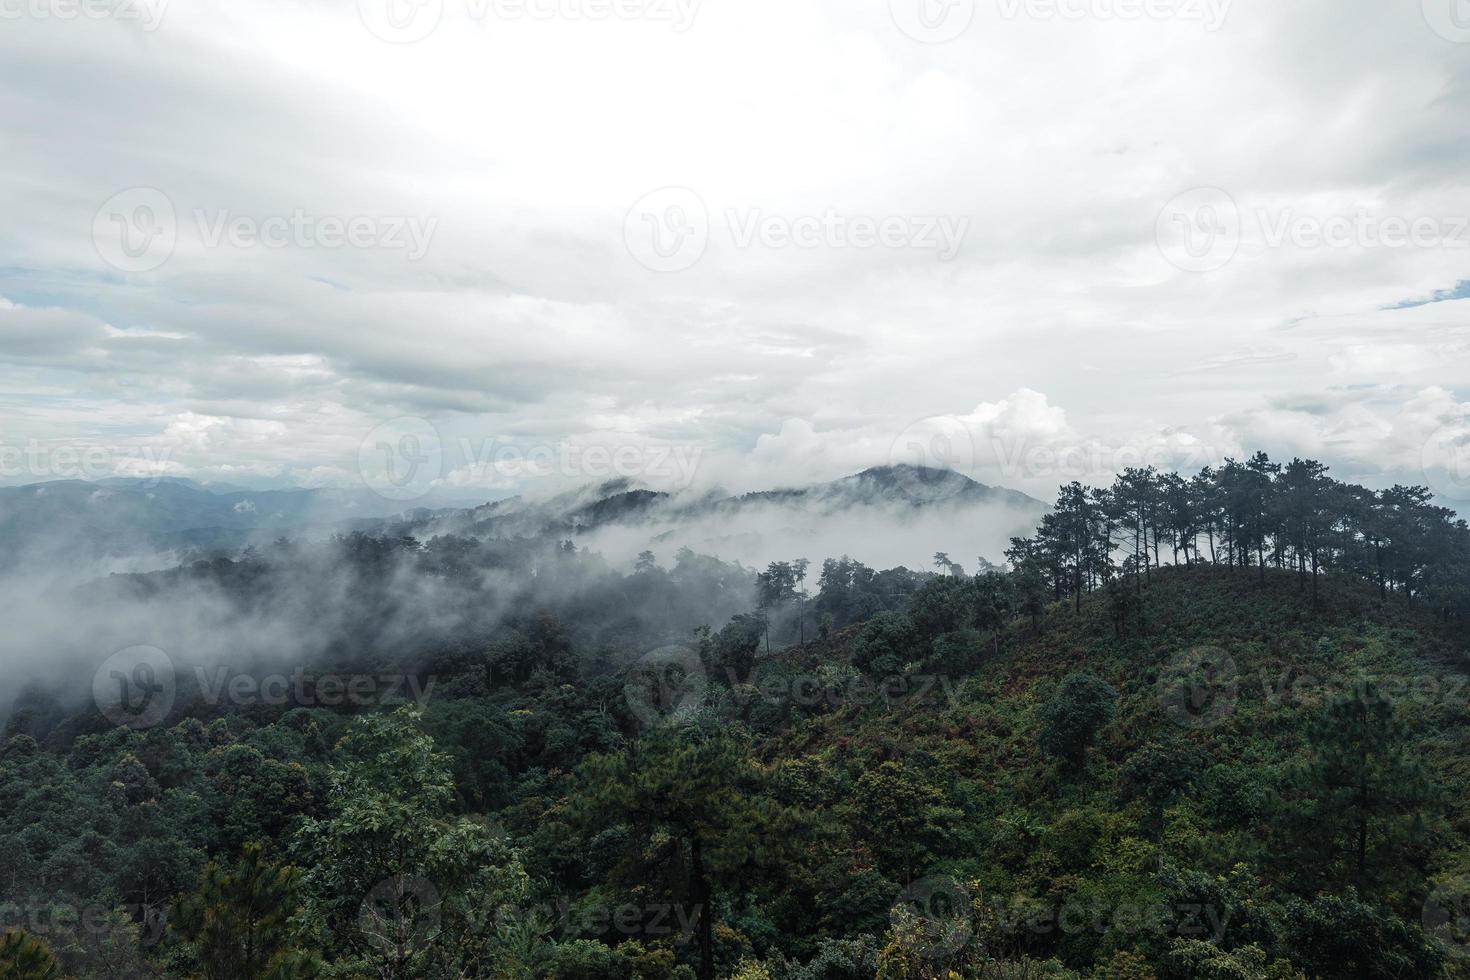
point(1211, 726)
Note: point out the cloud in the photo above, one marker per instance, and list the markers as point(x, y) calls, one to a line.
point(529, 321)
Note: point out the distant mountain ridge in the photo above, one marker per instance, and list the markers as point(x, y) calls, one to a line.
point(118, 516)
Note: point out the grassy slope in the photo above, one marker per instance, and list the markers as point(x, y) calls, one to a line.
point(1028, 829)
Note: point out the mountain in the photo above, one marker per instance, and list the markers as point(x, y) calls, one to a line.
point(903, 484)
point(920, 510)
point(888, 515)
point(123, 517)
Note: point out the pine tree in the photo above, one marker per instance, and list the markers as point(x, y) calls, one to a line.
point(1370, 794)
point(24, 957)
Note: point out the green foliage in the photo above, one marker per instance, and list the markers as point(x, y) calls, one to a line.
point(394, 880)
point(1197, 958)
point(887, 642)
point(1368, 793)
point(24, 957)
point(903, 818)
point(1070, 721)
point(238, 921)
point(706, 797)
point(1342, 936)
point(1279, 832)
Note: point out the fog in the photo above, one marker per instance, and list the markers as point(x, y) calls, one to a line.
point(556, 576)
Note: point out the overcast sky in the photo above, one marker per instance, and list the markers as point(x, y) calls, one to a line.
point(737, 241)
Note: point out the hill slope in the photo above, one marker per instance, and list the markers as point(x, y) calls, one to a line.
point(1201, 810)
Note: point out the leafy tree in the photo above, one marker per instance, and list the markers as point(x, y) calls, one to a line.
point(393, 878)
point(693, 803)
point(1342, 936)
point(730, 654)
point(885, 644)
point(1070, 721)
point(994, 597)
point(904, 819)
point(941, 605)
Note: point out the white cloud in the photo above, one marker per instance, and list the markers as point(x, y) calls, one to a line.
point(527, 321)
